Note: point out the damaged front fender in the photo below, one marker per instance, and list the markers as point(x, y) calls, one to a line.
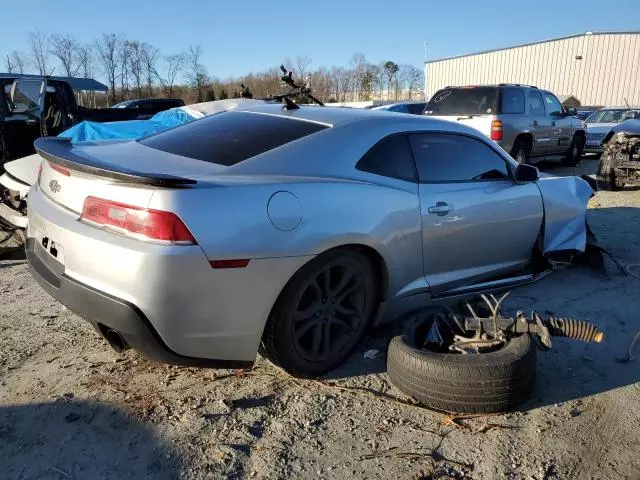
point(565, 201)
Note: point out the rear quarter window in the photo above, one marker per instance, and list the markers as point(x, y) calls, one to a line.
point(229, 138)
point(512, 100)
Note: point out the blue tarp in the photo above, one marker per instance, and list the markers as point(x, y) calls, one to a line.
point(131, 129)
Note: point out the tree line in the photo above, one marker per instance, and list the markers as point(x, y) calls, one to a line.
point(136, 69)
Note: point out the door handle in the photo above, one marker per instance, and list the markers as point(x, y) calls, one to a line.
point(31, 121)
point(553, 124)
point(535, 123)
point(441, 208)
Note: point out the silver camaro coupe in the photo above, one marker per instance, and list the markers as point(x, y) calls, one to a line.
point(289, 230)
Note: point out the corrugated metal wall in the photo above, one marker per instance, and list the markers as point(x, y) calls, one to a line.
point(607, 74)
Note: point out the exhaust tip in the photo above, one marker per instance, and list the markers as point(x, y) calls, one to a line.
point(115, 340)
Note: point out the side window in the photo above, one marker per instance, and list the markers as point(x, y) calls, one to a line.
point(416, 108)
point(24, 96)
point(512, 100)
point(554, 108)
point(390, 157)
point(536, 107)
point(445, 158)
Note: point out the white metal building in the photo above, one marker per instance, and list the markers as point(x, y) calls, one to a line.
point(596, 68)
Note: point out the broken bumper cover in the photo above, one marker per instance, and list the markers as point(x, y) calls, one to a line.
point(8, 214)
point(106, 312)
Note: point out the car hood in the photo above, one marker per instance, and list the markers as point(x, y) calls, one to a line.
point(565, 202)
point(630, 127)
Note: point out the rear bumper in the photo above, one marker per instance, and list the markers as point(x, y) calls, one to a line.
point(106, 312)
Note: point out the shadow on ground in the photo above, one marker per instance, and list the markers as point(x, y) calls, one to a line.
point(74, 439)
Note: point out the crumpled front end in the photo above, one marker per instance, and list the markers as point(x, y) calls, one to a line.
point(565, 201)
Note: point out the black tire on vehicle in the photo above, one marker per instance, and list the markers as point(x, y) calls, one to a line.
point(491, 382)
point(318, 320)
point(606, 176)
point(520, 151)
point(574, 154)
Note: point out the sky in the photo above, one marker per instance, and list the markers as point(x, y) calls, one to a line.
point(252, 35)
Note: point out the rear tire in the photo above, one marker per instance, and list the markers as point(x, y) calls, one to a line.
point(490, 382)
point(574, 154)
point(321, 314)
point(520, 152)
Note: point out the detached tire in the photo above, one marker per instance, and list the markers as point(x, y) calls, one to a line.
point(469, 383)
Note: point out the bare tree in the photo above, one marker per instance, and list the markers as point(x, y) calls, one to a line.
point(196, 72)
point(85, 61)
point(17, 61)
point(135, 59)
point(174, 65)
point(301, 67)
point(150, 56)
point(411, 79)
point(107, 48)
point(65, 49)
point(124, 54)
point(8, 64)
point(39, 47)
point(358, 68)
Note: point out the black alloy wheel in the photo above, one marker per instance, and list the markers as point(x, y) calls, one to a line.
point(322, 313)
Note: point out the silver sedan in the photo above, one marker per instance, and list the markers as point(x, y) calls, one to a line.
point(287, 229)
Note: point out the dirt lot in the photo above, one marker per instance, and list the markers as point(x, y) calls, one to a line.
point(72, 408)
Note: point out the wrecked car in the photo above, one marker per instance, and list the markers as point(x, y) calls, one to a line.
point(601, 123)
point(33, 106)
point(329, 220)
point(619, 164)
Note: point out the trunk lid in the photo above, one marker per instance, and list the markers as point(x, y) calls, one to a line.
point(125, 172)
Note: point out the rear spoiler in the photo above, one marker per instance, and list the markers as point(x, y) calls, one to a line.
point(59, 150)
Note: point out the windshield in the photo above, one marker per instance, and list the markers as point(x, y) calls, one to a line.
point(607, 116)
point(463, 101)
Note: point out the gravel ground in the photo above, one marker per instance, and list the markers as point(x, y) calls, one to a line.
point(72, 408)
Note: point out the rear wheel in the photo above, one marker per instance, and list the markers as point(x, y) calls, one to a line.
point(321, 314)
point(520, 151)
point(574, 154)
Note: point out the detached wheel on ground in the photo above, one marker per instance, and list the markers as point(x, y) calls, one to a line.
point(322, 313)
point(491, 382)
point(574, 154)
point(520, 152)
point(606, 175)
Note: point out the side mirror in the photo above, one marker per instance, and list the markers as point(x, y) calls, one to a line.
point(631, 114)
point(572, 111)
point(527, 173)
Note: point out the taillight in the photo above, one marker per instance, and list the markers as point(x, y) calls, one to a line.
point(496, 130)
point(139, 222)
point(60, 169)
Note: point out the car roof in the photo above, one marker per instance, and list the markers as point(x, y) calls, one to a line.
point(337, 116)
point(620, 108)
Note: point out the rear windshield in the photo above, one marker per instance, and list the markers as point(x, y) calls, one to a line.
point(463, 101)
point(230, 137)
